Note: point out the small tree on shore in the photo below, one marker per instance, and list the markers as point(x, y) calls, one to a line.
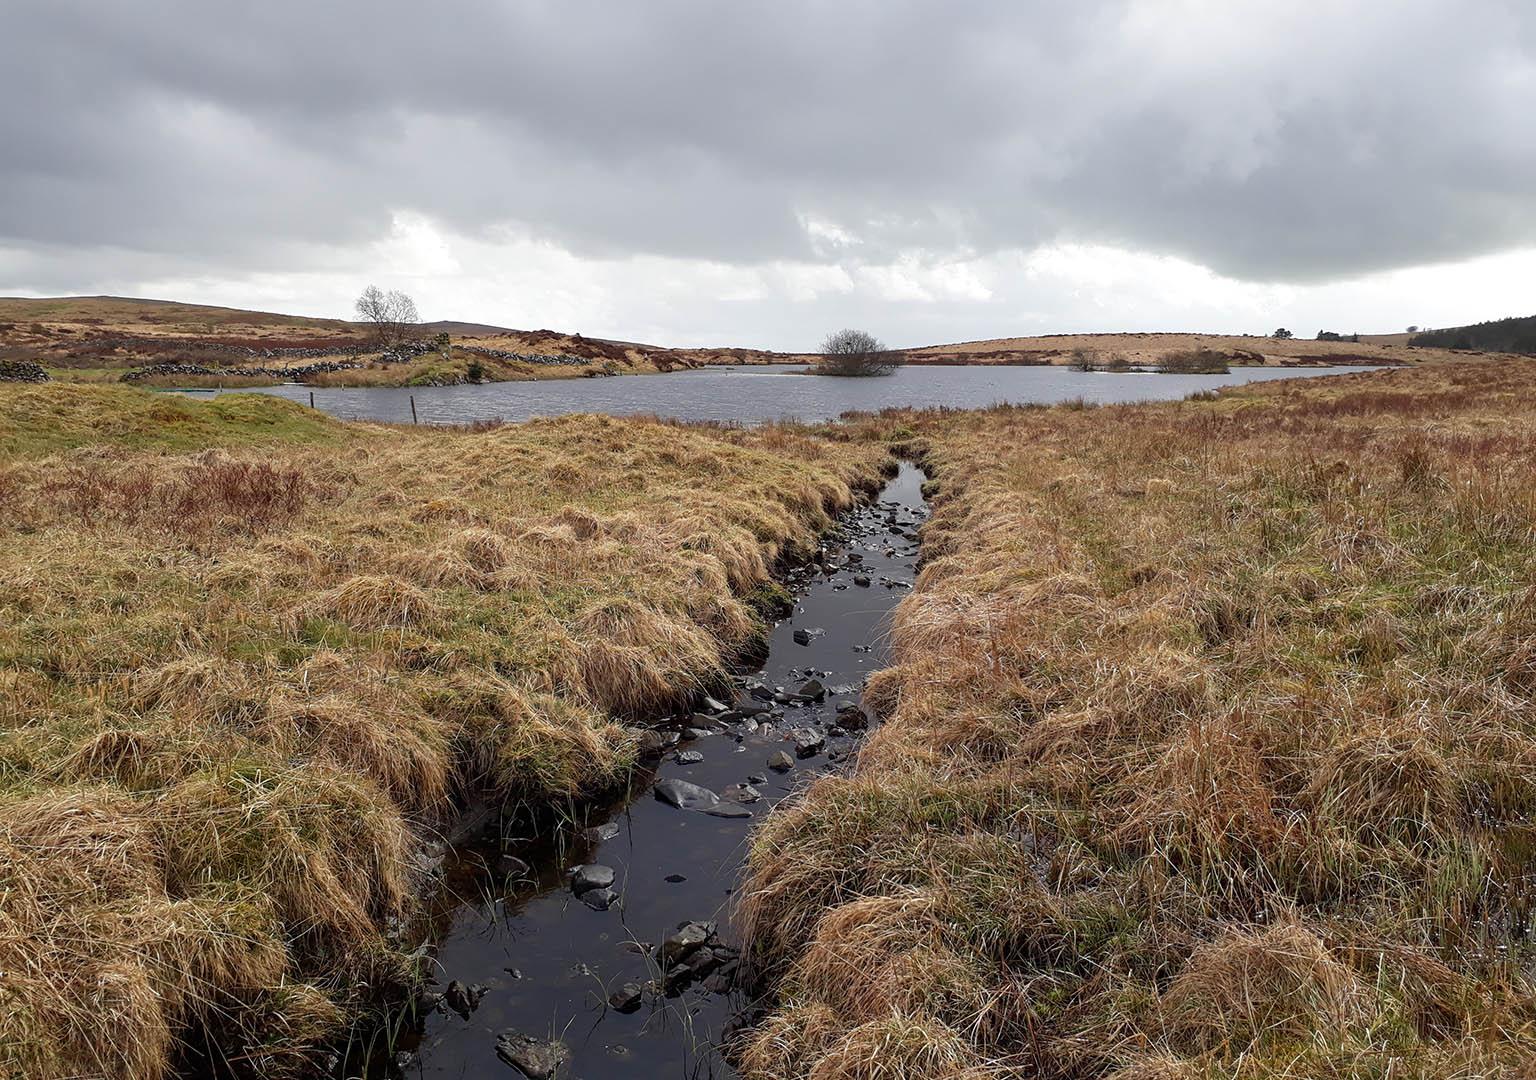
point(391, 314)
point(853, 352)
point(1282, 334)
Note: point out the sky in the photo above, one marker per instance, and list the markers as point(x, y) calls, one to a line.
point(759, 173)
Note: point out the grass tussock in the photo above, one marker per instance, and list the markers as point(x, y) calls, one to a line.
point(1210, 752)
point(250, 657)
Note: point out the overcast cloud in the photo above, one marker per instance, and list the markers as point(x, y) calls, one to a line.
point(756, 173)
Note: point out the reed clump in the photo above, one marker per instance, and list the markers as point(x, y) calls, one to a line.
point(1209, 751)
point(250, 658)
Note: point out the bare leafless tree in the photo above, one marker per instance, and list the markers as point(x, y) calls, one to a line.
point(391, 314)
point(853, 352)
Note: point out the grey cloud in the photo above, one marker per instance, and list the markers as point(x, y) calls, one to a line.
point(1264, 142)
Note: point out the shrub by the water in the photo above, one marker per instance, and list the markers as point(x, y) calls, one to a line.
point(1194, 362)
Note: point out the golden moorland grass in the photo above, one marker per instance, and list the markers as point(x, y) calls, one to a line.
point(1210, 752)
point(250, 656)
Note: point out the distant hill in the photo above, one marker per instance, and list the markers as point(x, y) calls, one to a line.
point(1517, 335)
point(100, 333)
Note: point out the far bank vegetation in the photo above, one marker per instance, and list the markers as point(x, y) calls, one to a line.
point(1197, 361)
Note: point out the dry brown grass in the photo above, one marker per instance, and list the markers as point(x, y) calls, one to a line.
point(1210, 752)
point(250, 657)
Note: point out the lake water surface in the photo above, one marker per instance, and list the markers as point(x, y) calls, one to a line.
point(753, 394)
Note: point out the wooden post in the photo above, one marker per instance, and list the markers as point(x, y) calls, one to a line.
point(413, 410)
point(311, 399)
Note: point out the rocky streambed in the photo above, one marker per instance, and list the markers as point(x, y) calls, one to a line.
point(604, 945)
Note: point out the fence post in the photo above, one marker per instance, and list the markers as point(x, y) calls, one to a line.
point(413, 410)
point(311, 399)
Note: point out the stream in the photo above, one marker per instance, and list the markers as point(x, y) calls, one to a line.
point(627, 967)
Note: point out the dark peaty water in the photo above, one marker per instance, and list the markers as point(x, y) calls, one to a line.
point(753, 394)
point(548, 962)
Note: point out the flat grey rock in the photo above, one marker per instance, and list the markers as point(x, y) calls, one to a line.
point(685, 796)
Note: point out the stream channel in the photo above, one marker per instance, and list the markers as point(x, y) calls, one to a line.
point(614, 973)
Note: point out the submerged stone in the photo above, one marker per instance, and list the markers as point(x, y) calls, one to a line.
point(598, 834)
point(599, 899)
point(781, 762)
point(537, 1059)
point(727, 810)
point(653, 741)
point(464, 999)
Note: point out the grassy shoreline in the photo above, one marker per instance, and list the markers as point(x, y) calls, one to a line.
point(1210, 752)
point(250, 656)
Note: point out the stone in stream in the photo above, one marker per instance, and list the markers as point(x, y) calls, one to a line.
point(757, 778)
point(591, 876)
point(852, 718)
point(781, 762)
point(709, 704)
point(598, 834)
point(808, 741)
point(745, 793)
point(810, 690)
point(464, 999)
point(862, 581)
point(536, 1059)
point(627, 998)
point(599, 899)
point(682, 943)
point(685, 796)
point(727, 810)
point(675, 879)
point(760, 693)
point(688, 757)
point(698, 964)
point(805, 635)
point(651, 741)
